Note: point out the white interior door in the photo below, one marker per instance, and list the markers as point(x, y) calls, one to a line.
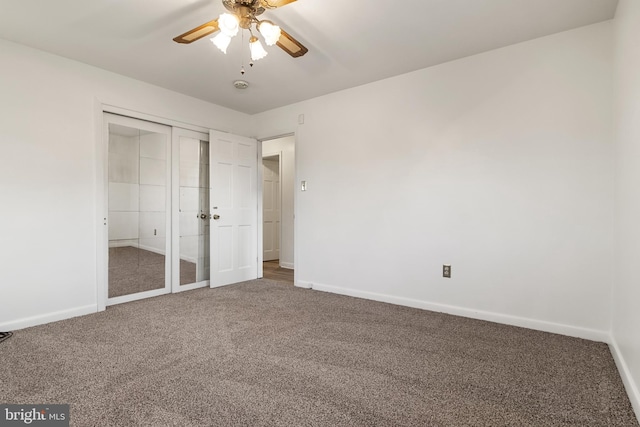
point(271, 209)
point(234, 208)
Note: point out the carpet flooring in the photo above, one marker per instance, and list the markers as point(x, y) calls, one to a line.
point(133, 270)
point(265, 353)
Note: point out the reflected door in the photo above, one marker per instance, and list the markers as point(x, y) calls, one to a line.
point(139, 252)
point(192, 266)
point(271, 208)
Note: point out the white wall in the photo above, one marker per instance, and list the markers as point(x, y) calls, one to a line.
point(626, 297)
point(286, 146)
point(137, 191)
point(124, 190)
point(499, 164)
point(48, 131)
point(153, 190)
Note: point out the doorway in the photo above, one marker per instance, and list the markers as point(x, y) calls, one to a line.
point(278, 183)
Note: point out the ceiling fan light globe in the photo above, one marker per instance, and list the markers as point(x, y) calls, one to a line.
point(270, 32)
point(257, 50)
point(221, 41)
point(228, 24)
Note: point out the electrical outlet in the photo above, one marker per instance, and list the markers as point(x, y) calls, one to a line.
point(446, 271)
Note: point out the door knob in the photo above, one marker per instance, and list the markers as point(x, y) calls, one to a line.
point(216, 216)
point(203, 216)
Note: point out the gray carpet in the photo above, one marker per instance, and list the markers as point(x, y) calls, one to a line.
point(265, 353)
point(133, 270)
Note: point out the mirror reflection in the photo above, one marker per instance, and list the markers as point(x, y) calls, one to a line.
point(194, 211)
point(137, 210)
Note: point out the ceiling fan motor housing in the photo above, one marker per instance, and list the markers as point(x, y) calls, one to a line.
point(244, 8)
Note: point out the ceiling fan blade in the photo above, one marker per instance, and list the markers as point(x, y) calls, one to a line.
point(272, 4)
point(198, 32)
point(290, 45)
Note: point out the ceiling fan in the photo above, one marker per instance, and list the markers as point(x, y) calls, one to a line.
point(243, 14)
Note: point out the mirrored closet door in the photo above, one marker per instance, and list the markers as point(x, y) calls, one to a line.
point(139, 191)
point(192, 219)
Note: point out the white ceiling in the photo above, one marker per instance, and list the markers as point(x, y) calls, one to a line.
point(351, 42)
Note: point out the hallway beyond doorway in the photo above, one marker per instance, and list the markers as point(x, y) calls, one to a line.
point(273, 271)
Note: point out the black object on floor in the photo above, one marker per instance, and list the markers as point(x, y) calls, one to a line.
point(5, 335)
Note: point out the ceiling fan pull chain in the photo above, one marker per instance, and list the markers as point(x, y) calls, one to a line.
point(242, 56)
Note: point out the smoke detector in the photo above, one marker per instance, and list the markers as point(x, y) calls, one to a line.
point(241, 84)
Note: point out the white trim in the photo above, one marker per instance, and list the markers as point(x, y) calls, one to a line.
point(627, 379)
point(107, 108)
point(296, 169)
point(139, 295)
point(287, 265)
point(102, 196)
point(191, 286)
point(150, 249)
point(523, 322)
point(42, 319)
point(266, 156)
point(303, 285)
point(281, 196)
point(260, 225)
point(189, 259)
point(123, 243)
point(277, 135)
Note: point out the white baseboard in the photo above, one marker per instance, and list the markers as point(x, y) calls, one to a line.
point(188, 259)
point(303, 285)
point(287, 265)
point(123, 243)
point(28, 322)
point(539, 325)
point(151, 249)
point(627, 379)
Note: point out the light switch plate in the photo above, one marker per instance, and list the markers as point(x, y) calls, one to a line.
point(303, 186)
